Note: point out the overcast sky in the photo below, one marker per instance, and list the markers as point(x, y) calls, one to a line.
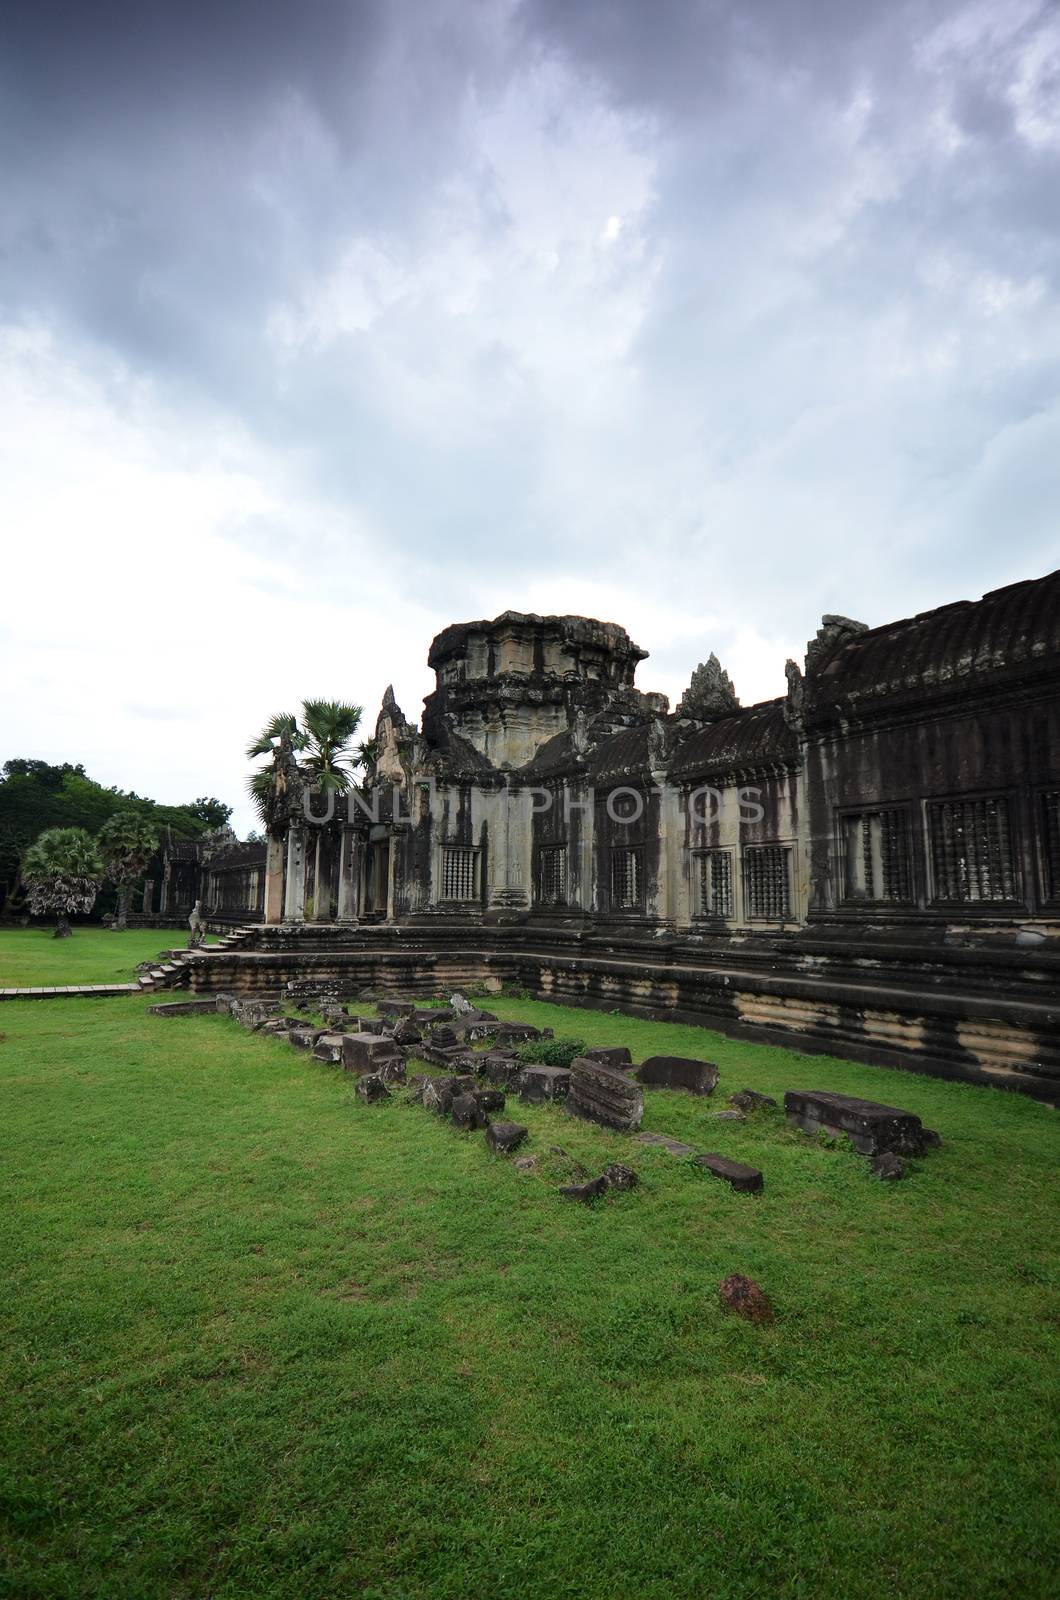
point(325, 324)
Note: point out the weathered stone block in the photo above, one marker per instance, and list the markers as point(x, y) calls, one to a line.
point(538, 1084)
point(504, 1137)
point(490, 1100)
point(751, 1100)
point(391, 1069)
point(662, 1142)
point(620, 1177)
point(467, 1113)
point(888, 1166)
point(371, 1087)
point(329, 1047)
point(363, 1052)
point(406, 1032)
point(438, 1096)
point(679, 1072)
point(303, 1038)
point(605, 1095)
point(611, 1055)
point(395, 1008)
point(744, 1179)
point(870, 1127)
point(586, 1192)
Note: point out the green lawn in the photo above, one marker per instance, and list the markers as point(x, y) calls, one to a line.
point(261, 1339)
point(33, 957)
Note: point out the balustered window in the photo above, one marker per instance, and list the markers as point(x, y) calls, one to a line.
point(553, 875)
point(877, 863)
point(459, 873)
point(627, 875)
point(715, 883)
point(972, 851)
point(767, 881)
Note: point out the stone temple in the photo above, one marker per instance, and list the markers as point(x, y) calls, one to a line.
point(869, 864)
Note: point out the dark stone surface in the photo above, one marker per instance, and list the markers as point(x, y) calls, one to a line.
point(415, 1088)
point(406, 1032)
point(438, 1095)
point(504, 1137)
point(678, 1072)
point(467, 1113)
point(594, 1189)
point(620, 1177)
point(605, 1095)
point(364, 1052)
point(490, 1100)
point(329, 1047)
point(745, 1297)
point(303, 1038)
point(539, 1083)
point(611, 1055)
point(503, 1070)
point(870, 1127)
point(751, 1100)
point(371, 1087)
point(395, 1008)
point(662, 1141)
point(888, 1165)
point(391, 1069)
point(279, 1025)
point(744, 1179)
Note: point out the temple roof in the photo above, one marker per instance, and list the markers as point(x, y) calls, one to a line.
point(1007, 629)
point(748, 738)
point(607, 636)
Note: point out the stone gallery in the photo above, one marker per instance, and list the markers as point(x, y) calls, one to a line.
point(870, 861)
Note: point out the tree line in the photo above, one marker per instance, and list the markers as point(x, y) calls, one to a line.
point(64, 838)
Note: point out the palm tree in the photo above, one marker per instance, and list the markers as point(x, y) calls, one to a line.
point(127, 842)
point(260, 781)
point(328, 727)
point(62, 872)
point(323, 740)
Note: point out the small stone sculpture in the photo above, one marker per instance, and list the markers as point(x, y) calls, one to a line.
point(197, 936)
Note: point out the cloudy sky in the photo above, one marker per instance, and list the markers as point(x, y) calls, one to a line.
point(324, 324)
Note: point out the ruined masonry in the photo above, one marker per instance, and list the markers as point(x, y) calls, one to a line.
point(868, 865)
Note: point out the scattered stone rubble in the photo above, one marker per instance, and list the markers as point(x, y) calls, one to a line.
point(603, 1086)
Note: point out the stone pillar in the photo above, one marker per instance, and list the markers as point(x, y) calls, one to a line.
point(391, 861)
point(349, 876)
point(273, 879)
point(163, 899)
point(294, 900)
point(149, 895)
point(509, 863)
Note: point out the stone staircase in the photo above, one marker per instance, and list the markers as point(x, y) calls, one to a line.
point(174, 966)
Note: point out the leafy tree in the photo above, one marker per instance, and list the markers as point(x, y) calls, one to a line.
point(35, 795)
point(210, 812)
point(62, 872)
point(127, 841)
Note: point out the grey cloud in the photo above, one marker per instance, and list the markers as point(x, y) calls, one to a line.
point(849, 277)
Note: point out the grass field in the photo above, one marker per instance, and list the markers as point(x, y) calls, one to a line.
point(33, 957)
point(261, 1339)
